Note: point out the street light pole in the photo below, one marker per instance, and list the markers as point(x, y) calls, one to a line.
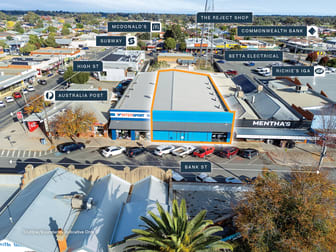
point(322, 155)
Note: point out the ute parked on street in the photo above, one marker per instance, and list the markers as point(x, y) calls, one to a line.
point(183, 151)
point(204, 151)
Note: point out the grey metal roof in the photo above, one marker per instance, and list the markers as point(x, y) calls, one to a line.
point(138, 95)
point(16, 79)
point(189, 126)
point(40, 209)
point(130, 125)
point(63, 41)
point(9, 184)
point(263, 104)
point(109, 194)
point(144, 196)
point(182, 91)
point(245, 82)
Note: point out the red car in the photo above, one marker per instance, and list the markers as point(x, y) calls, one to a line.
point(203, 151)
point(17, 95)
point(231, 72)
point(228, 152)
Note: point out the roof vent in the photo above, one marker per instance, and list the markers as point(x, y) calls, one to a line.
point(214, 99)
point(211, 93)
point(147, 96)
point(217, 106)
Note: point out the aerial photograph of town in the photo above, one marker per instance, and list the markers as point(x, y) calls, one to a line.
point(169, 126)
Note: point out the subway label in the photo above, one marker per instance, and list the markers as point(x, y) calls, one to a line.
point(131, 41)
point(224, 17)
point(87, 66)
point(129, 26)
point(80, 95)
point(293, 71)
point(269, 31)
point(111, 40)
point(195, 166)
point(253, 56)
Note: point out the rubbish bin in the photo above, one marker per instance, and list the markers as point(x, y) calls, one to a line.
point(43, 141)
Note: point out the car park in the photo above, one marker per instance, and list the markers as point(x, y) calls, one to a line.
point(30, 88)
point(248, 153)
point(2, 104)
point(17, 95)
point(163, 150)
point(42, 82)
point(204, 177)
point(203, 151)
point(9, 99)
point(233, 180)
point(177, 177)
point(112, 151)
point(134, 151)
point(250, 63)
point(70, 147)
point(228, 152)
point(183, 151)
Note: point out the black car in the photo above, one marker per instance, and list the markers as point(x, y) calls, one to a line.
point(248, 153)
point(134, 151)
point(69, 147)
point(42, 82)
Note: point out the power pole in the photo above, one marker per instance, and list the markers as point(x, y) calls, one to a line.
point(323, 154)
point(47, 121)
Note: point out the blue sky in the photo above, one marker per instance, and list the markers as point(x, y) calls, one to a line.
point(293, 7)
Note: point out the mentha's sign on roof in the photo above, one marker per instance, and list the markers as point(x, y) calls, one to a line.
point(275, 124)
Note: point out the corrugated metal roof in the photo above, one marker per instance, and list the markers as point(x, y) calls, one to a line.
point(40, 209)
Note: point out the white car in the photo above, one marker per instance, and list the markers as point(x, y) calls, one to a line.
point(204, 177)
point(183, 150)
point(163, 150)
point(9, 99)
point(2, 104)
point(30, 88)
point(233, 180)
point(24, 91)
point(177, 176)
point(112, 151)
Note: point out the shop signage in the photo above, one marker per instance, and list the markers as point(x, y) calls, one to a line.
point(129, 115)
point(253, 55)
point(270, 31)
point(273, 124)
point(293, 71)
point(224, 17)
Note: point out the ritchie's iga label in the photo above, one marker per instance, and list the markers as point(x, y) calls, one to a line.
point(87, 66)
point(270, 31)
point(224, 17)
point(293, 71)
point(253, 55)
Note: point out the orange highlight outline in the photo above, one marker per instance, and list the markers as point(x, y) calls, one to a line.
point(219, 94)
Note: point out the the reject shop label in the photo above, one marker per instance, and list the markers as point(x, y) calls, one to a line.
point(317, 71)
point(253, 55)
point(224, 17)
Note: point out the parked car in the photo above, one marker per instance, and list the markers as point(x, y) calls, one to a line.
point(290, 144)
point(24, 91)
point(204, 177)
point(30, 88)
point(61, 71)
point(177, 176)
point(248, 153)
point(9, 99)
point(70, 146)
point(221, 61)
point(250, 63)
point(228, 152)
point(163, 150)
point(231, 72)
point(112, 151)
point(233, 180)
point(204, 151)
point(42, 82)
point(17, 95)
point(134, 151)
point(183, 150)
point(2, 104)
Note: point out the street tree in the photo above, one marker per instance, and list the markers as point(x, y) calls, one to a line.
point(18, 27)
point(296, 213)
point(170, 43)
point(35, 104)
point(28, 48)
point(175, 232)
point(65, 31)
point(324, 61)
point(50, 41)
point(312, 57)
point(72, 123)
point(76, 77)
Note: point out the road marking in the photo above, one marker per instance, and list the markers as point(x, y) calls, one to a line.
point(7, 153)
point(34, 153)
point(3, 151)
point(24, 153)
point(18, 155)
point(44, 153)
point(29, 153)
point(40, 154)
point(253, 161)
point(13, 154)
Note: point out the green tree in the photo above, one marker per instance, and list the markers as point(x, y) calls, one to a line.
point(31, 17)
point(28, 48)
point(142, 44)
point(50, 41)
point(35, 40)
point(65, 31)
point(79, 25)
point(174, 232)
point(143, 36)
point(39, 24)
point(289, 214)
point(9, 37)
point(170, 43)
point(67, 25)
point(3, 44)
point(76, 77)
point(183, 45)
point(51, 29)
point(18, 27)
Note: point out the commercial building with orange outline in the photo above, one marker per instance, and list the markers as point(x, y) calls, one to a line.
point(187, 107)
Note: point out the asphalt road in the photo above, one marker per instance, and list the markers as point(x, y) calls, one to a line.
point(237, 167)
